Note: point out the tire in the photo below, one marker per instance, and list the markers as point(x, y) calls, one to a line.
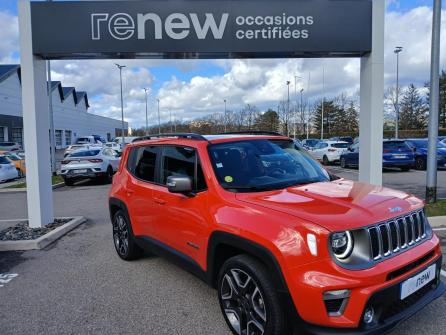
point(405, 168)
point(68, 181)
point(325, 160)
point(21, 175)
point(343, 163)
point(108, 175)
point(420, 163)
point(123, 238)
point(245, 290)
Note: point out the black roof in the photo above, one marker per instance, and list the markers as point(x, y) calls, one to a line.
point(7, 70)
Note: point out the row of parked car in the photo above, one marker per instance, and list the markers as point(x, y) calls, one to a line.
point(404, 154)
point(91, 158)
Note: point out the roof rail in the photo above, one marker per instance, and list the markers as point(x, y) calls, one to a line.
point(190, 136)
point(252, 132)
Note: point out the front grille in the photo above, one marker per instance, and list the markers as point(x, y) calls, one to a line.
point(397, 234)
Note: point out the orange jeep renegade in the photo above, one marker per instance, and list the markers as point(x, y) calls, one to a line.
point(288, 246)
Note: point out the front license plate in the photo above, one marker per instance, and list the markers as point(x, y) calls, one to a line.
point(415, 283)
point(80, 171)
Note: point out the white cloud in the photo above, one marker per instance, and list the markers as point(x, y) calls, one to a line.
point(9, 37)
point(260, 82)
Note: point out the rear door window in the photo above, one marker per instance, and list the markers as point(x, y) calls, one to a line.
point(142, 162)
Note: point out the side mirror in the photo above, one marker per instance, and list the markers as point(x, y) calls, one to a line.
point(350, 149)
point(118, 154)
point(179, 185)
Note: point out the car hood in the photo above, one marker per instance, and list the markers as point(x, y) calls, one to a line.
point(337, 205)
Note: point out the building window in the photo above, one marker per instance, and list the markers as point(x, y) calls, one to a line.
point(17, 135)
point(67, 137)
point(58, 135)
point(2, 134)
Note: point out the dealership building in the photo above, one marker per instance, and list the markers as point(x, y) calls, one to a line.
point(70, 112)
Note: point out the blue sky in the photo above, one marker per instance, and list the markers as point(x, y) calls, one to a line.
point(195, 88)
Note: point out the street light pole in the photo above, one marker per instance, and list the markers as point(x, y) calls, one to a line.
point(226, 117)
point(288, 108)
point(323, 103)
point(159, 118)
point(308, 101)
point(302, 104)
point(397, 104)
point(120, 67)
point(147, 115)
point(434, 104)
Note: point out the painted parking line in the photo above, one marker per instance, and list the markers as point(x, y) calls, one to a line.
point(439, 229)
point(5, 278)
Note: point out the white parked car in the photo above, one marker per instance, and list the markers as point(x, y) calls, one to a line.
point(329, 151)
point(88, 140)
point(114, 145)
point(8, 170)
point(74, 147)
point(92, 163)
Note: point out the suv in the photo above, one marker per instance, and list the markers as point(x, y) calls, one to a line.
point(288, 246)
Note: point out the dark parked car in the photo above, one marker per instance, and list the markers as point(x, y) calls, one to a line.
point(396, 153)
point(419, 147)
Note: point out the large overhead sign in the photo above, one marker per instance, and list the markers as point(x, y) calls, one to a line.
point(201, 28)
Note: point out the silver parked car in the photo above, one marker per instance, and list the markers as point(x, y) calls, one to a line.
point(92, 163)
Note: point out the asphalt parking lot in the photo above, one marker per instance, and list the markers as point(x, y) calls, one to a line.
point(78, 285)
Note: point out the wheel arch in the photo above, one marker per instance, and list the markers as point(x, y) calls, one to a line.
point(115, 204)
point(223, 245)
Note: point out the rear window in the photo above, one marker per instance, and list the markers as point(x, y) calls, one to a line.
point(340, 145)
point(3, 160)
point(86, 153)
point(395, 145)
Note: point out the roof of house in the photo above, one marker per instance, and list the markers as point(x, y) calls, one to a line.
point(7, 70)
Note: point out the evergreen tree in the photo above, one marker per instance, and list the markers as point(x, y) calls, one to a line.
point(268, 121)
point(330, 112)
point(413, 110)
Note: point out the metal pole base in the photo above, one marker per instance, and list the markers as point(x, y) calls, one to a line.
point(431, 195)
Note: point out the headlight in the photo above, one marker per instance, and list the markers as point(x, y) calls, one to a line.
point(342, 244)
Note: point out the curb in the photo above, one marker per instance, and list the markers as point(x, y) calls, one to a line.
point(44, 240)
point(23, 189)
point(437, 221)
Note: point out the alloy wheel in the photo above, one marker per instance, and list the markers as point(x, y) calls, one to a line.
point(243, 303)
point(121, 235)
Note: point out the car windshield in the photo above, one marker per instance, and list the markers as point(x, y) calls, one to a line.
point(4, 160)
point(13, 157)
point(395, 145)
point(260, 165)
point(86, 153)
point(340, 145)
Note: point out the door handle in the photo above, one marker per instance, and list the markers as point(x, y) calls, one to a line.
point(159, 201)
point(129, 193)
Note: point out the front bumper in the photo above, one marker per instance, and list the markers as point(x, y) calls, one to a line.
point(390, 310)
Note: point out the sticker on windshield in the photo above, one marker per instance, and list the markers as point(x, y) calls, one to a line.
point(229, 179)
point(219, 165)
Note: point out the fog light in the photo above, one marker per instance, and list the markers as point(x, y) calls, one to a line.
point(369, 314)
